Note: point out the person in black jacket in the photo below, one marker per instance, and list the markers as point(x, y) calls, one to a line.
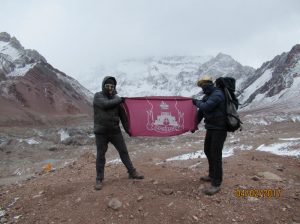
point(212, 108)
point(108, 111)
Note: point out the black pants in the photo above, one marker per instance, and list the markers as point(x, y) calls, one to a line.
point(102, 144)
point(213, 145)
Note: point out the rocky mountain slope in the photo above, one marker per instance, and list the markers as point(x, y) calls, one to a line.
point(275, 84)
point(32, 90)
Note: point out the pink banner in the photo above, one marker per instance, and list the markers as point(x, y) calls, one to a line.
point(160, 116)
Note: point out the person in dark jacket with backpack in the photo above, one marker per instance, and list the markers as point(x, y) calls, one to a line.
point(108, 111)
point(212, 108)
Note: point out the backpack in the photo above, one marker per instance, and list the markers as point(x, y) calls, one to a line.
point(227, 84)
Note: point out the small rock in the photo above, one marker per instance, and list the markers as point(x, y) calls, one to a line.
point(195, 217)
point(201, 187)
point(140, 198)
point(252, 199)
point(131, 216)
point(218, 200)
point(170, 204)
point(167, 191)
point(36, 196)
point(288, 206)
point(255, 178)
point(3, 220)
point(53, 148)
point(269, 176)
point(146, 213)
point(17, 217)
point(78, 200)
point(115, 204)
point(296, 219)
point(155, 182)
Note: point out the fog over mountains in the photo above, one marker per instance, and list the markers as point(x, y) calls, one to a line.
point(275, 83)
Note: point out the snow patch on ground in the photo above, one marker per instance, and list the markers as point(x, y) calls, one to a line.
point(289, 139)
point(271, 118)
point(63, 134)
point(281, 149)
point(30, 141)
point(200, 154)
point(114, 161)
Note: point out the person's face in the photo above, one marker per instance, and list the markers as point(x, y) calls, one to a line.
point(110, 88)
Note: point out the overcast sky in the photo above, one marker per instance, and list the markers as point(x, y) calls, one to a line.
point(74, 36)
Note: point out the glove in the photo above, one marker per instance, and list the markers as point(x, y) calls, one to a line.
point(194, 101)
point(128, 133)
point(122, 99)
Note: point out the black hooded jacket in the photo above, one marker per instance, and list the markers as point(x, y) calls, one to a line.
point(108, 111)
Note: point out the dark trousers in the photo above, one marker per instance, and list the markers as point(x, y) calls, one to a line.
point(213, 146)
point(102, 144)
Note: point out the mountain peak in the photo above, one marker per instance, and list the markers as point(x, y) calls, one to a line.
point(222, 56)
point(15, 59)
point(296, 48)
point(5, 37)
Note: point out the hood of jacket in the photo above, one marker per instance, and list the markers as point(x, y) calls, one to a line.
point(104, 81)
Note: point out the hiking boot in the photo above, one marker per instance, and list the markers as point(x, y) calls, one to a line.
point(135, 175)
point(205, 178)
point(98, 185)
point(211, 190)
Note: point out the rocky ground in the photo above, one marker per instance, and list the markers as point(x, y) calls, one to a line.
point(258, 187)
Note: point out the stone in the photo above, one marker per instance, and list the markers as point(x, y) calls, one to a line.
point(140, 198)
point(167, 191)
point(255, 178)
point(115, 204)
point(3, 220)
point(269, 176)
point(252, 199)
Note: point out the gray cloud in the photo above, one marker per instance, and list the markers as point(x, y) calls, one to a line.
point(76, 36)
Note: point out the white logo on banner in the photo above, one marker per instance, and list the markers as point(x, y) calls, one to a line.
point(164, 122)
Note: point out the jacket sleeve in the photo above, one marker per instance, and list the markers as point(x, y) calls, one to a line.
point(123, 118)
point(103, 102)
point(210, 103)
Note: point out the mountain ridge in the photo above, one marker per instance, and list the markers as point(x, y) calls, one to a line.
point(33, 91)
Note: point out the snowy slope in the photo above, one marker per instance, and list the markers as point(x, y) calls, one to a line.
point(15, 61)
point(167, 76)
point(31, 88)
point(276, 84)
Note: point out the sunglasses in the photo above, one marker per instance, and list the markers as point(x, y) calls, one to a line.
point(109, 86)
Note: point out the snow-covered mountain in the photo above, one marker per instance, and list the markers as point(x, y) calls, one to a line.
point(276, 84)
point(165, 76)
point(29, 86)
